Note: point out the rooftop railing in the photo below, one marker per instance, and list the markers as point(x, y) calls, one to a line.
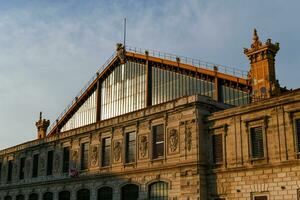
point(154, 53)
point(191, 61)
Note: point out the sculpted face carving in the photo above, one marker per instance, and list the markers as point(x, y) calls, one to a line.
point(188, 138)
point(117, 151)
point(94, 156)
point(143, 147)
point(173, 138)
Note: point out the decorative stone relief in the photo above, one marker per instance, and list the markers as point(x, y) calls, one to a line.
point(117, 150)
point(94, 156)
point(143, 146)
point(27, 167)
point(188, 138)
point(173, 140)
point(74, 159)
point(56, 162)
point(42, 163)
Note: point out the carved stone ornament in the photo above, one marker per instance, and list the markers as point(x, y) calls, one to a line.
point(173, 138)
point(188, 138)
point(143, 147)
point(56, 162)
point(42, 163)
point(74, 158)
point(94, 156)
point(117, 150)
point(27, 167)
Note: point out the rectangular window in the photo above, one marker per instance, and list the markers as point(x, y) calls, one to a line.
point(297, 127)
point(217, 148)
point(49, 163)
point(22, 168)
point(257, 142)
point(130, 147)
point(106, 143)
point(158, 141)
point(260, 197)
point(84, 156)
point(0, 171)
point(66, 159)
point(35, 166)
point(10, 166)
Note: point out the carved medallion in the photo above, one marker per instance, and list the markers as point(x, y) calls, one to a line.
point(143, 146)
point(117, 150)
point(173, 140)
point(94, 156)
point(188, 138)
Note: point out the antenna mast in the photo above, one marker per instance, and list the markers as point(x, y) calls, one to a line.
point(124, 42)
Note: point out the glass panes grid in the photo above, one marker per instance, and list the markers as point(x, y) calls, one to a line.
point(158, 141)
point(233, 96)
point(167, 85)
point(158, 191)
point(106, 144)
point(85, 115)
point(123, 91)
point(66, 159)
point(105, 193)
point(35, 165)
point(257, 144)
point(84, 155)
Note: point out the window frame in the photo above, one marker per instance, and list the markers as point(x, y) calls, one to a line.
point(84, 161)
point(35, 166)
point(103, 145)
point(127, 143)
point(260, 194)
point(22, 168)
point(66, 162)
point(154, 144)
point(49, 170)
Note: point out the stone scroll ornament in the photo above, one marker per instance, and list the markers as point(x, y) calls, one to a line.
point(173, 138)
point(56, 162)
point(117, 151)
point(94, 156)
point(143, 146)
point(188, 138)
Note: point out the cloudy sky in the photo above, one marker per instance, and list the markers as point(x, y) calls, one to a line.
point(50, 49)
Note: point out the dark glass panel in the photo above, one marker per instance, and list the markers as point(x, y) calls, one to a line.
point(105, 193)
point(130, 192)
point(158, 191)
point(66, 159)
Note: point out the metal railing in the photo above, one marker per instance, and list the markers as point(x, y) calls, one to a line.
point(191, 61)
point(154, 53)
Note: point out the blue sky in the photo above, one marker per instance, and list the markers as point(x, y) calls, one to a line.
point(50, 49)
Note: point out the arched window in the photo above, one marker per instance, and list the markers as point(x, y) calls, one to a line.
point(105, 193)
point(158, 191)
point(20, 197)
point(33, 196)
point(64, 195)
point(7, 198)
point(48, 196)
point(83, 194)
point(130, 192)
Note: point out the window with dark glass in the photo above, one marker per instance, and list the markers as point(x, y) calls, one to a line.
point(35, 166)
point(297, 127)
point(83, 194)
point(20, 197)
point(64, 195)
point(217, 148)
point(130, 192)
point(7, 198)
point(158, 141)
point(130, 147)
point(106, 143)
point(158, 191)
point(261, 197)
point(48, 196)
point(66, 159)
point(50, 163)
point(257, 142)
point(22, 168)
point(105, 193)
point(10, 166)
point(33, 196)
point(84, 155)
point(0, 170)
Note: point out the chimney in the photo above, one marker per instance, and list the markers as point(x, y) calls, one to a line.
point(42, 126)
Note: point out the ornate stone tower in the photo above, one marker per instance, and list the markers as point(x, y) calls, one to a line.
point(262, 72)
point(42, 126)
